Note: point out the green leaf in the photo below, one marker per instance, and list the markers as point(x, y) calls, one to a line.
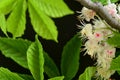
point(70, 58)
point(50, 67)
point(5, 74)
point(26, 76)
point(3, 23)
point(115, 40)
point(6, 6)
point(17, 19)
point(57, 78)
point(105, 1)
point(113, 1)
point(36, 60)
point(115, 64)
point(42, 24)
point(53, 8)
point(88, 73)
point(15, 49)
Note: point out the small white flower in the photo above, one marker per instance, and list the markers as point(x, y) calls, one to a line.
point(104, 74)
point(87, 30)
point(88, 14)
point(111, 8)
point(100, 26)
point(98, 35)
point(103, 61)
point(91, 46)
point(109, 51)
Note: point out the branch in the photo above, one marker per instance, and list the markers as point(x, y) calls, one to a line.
point(99, 9)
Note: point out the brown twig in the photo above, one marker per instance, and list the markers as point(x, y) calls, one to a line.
point(99, 9)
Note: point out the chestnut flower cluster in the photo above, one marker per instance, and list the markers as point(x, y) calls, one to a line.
point(96, 35)
point(97, 47)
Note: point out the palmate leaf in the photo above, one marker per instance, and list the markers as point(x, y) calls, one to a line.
point(7, 5)
point(35, 60)
point(115, 40)
point(42, 24)
point(115, 64)
point(53, 8)
point(57, 78)
point(70, 58)
point(3, 23)
point(15, 49)
point(17, 19)
point(88, 73)
point(50, 67)
point(5, 74)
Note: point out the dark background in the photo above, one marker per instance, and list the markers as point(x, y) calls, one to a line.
point(67, 28)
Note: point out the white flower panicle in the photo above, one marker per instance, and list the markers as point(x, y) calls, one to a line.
point(97, 47)
point(96, 34)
